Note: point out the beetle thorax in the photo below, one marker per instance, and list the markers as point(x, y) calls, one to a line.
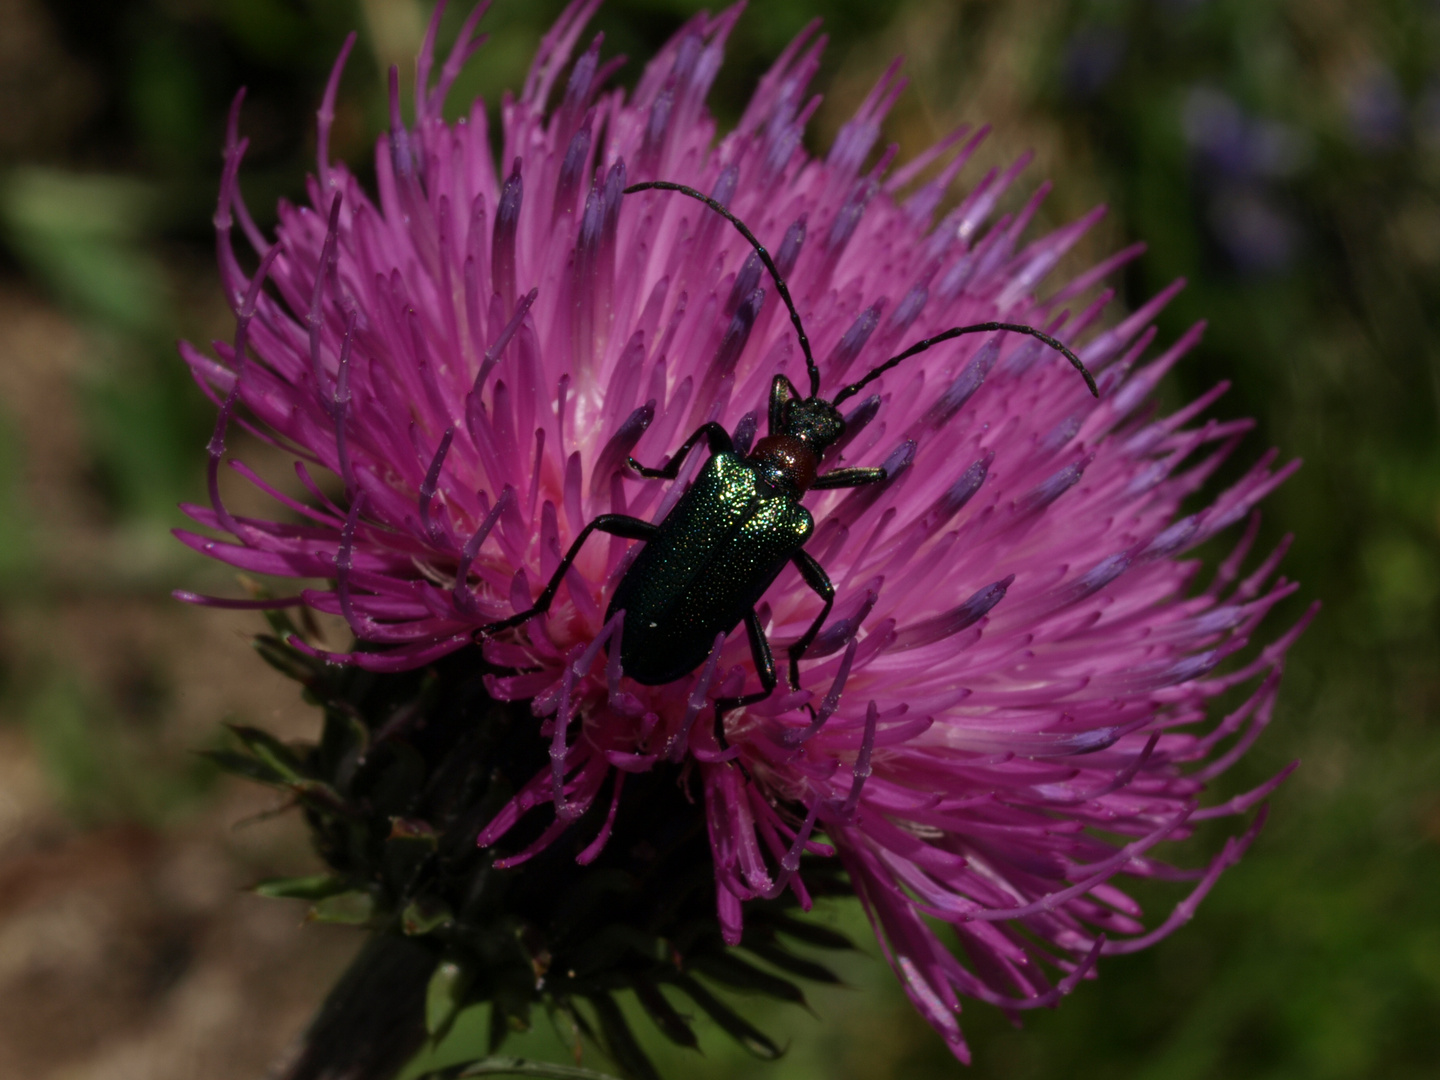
point(784, 463)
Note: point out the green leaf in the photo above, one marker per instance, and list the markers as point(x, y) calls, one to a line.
point(321, 797)
point(278, 618)
point(513, 1004)
point(666, 1017)
point(270, 750)
point(284, 659)
point(414, 830)
point(498, 1066)
point(810, 933)
point(499, 1026)
point(353, 908)
point(795, 965)
point(244, 765)
point(315, 887)
point(409, 846)
point(424, 914)
point(343, 743)
point(620, 1041)
point(445, 995)
point(734, 1025)
point(736, 973)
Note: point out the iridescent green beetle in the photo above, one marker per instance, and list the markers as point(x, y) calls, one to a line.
point(705, 567)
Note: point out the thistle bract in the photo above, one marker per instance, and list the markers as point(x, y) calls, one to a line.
point(1008, 709)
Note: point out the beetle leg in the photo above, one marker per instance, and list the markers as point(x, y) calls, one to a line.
point(720, 443)
point(764, 667)
point(847, 478)
point(621, 525)
point(815, 576)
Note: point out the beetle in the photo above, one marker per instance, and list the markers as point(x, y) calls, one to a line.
point(704, 568)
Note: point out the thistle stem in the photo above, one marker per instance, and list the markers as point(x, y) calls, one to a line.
point(373, 1022)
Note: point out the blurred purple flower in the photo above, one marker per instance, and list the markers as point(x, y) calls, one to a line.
point(1014, 685)
point(1092, 56)
point(1259, 237)
point(1376, 110)
point(1239, 162)
point(1236, 146)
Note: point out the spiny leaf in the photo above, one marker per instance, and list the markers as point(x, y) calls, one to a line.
point(278, 617)
point(810, 933)
point(795, 965)
point(270, 750)
point(415, 830)
point(343, 743)
point(407, 849)
point(424, 914)
point(734, 1025)
point(314, 887)
point(499, 1026)
point(734, 972)
point(620, 1041)
point(352, 908)
point(498, 1066)
point(513, 1003)
point(244, 765)
point(284, 659)
point(321, 797)
point(671, 1024)
point(445, 994)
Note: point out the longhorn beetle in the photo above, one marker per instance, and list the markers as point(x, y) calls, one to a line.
point(706, 565)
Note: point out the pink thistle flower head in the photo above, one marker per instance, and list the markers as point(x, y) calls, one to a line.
point(1017, 668)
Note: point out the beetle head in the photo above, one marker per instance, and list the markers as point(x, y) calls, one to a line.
point(814, 421)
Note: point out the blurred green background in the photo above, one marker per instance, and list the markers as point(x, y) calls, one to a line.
point(1283, 155)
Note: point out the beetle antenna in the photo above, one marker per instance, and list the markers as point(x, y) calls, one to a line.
point(719, 208)
point(978, 328)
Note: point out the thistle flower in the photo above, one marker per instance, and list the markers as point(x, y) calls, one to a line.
point(1016, 671)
